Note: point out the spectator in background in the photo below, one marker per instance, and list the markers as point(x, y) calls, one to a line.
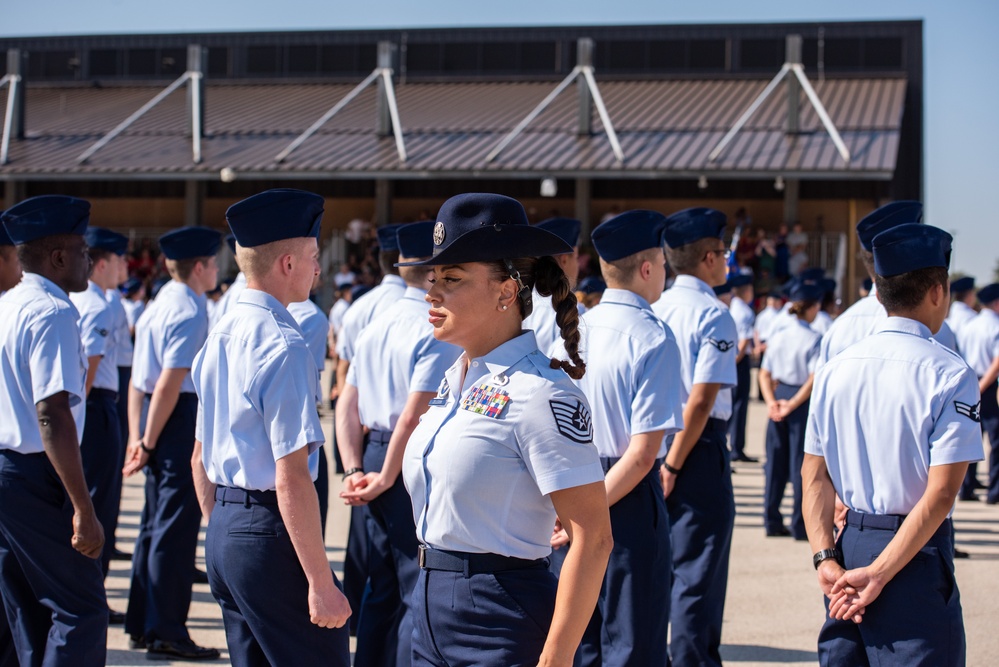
point(782, 255)
point(766, 254)
point(344, 276)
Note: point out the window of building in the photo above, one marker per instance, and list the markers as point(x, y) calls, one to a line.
point(173, 62)
point(423, 58)
point(57, 65)
point(707, 54)
point(461, 57)
point(263, 60)
point(538, 57)
point(218, 61)
point(762, 54)
point(303, 59)
point(105, 62)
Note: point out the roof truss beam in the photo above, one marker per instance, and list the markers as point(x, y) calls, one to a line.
point(12, 81)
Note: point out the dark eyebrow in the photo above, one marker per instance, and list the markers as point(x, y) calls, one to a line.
point(450, 267)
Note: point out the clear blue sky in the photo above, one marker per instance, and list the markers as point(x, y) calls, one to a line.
point(961, 57)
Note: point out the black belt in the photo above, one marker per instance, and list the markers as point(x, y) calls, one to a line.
point(715, 424)
point(379, 437)
point(245, 497)
point(468, 563)
point(861, 520)
point(607, 462)
point(97, 392)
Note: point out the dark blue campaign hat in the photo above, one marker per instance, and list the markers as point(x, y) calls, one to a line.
point(566, 229)
point(591, 285)
point(46, 215)
point(130, 286)
point(965, 284)
point(740, 280)
point(416, 239)
point(275, 215)
point(989, 293)
point(806, 290)
point(482, 227)
point(910, 247)
point(693, 224)
point(886, 217)
point(105, 239)
point(628, 233)
point(388, 237)
point(190, 242)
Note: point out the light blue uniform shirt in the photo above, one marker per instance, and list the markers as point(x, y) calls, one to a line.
point(228, 300)
point(97, 327)
point(979, 341)
point(542, 322)
point(168, 335)
point(632, 378)
point(706, 336)
point(885, 410)
point(960, 314)
point(792, 354)
point(763, 322)
point(315, 328)
point(41, 354)
point(745, 320)
point(855, 323)
point(133, 309)
point(365, 309)
point(256, 386)
point(480, 483)
point(397, 355)
point(946, 337)
point(337, 312)
point(123, 340)
point(822, 322)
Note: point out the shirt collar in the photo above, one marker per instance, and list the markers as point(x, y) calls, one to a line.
point(262, 299)
point(41, 282)
point(905, 325)
point(693, 282)
point(95, 288)
point(624, 297)
point(496, 362)
point(392, 279)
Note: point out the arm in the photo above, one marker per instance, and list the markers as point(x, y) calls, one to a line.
point(342, 366)
point(818, 506)
point(92, 364)
point(767, 389)
point(990, 376)
point(376, 483)
point(349, 437)
point(161, 405)
point(584, 513)
point(741, 350)
point(695, 417)
point(636, 463)
point(58, 430)
point(799, 398)
point(299, 507)
point(863, 585)
point(202, 485)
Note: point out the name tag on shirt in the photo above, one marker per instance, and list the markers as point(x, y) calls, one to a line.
point(441, 398)
point(486, 400)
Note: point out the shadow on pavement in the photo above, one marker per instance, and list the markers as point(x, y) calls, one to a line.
point(753, 653)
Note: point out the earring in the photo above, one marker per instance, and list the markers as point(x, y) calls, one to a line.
point(503, 308)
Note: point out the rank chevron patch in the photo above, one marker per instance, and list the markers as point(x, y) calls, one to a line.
point(573, 420)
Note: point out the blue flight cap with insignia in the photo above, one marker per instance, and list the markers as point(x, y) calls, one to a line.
point(965, 284)
point(388, 237)
point(130, 286)
point(230, 240)
point(886, 217)
point(46, 215)
point(190, 242)
point(693, 224)
point(806, 290)
point(483, 227)
point(275, 215)
point(566, 229)
point(989, 293)
point(628, 233)
point(591, 285)
point(416, 239)
point(724, 288)
point(911, 247)
point(740, 280)
point(105, 239)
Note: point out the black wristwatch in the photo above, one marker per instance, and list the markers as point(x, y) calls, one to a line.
point(352, 471)
point(835, 554)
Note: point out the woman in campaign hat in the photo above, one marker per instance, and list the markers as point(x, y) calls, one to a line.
point(505, 446)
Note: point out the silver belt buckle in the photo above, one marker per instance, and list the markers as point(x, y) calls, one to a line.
point(422, 556)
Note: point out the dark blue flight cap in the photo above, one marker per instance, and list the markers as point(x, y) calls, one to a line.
point(157, 285)
point(46, 215)
point(190, 242)
point(693, 224)
point(740, 280)
point(416, 239)
point(965, 284)
point(828, 285)
point(230, 240)
point(566, 229)
point(911, 247)
point(814, 273)
point(886, 217)
point(388, 237)
point(591, 285)
point(628, 233)
point(806, 290)
point(724, 288)
point(105, 239)
point(989, 293)
point(357, 291)
point(275, 215)
point(482, 227)
point(867, 284)
point(130, 286)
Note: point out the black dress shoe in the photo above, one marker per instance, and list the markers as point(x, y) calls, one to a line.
point(118, 554)
point(779, 532)
point(746, 459)
point(961, 554)
point(137, 642)
point(968, 497)
point(200, 576)
point(115, 617)
point(180, 650)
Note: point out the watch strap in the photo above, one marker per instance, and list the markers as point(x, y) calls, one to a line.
point(827, 554)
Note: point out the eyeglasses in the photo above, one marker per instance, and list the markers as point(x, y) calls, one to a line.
point(721, 252)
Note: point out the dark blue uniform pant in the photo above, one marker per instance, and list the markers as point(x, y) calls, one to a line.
point(124, 379)
point(916, 621)
point(323, 489)
point(53, 595)
point(740, 408)
point(631, 618)
point(702, 516)
point(163, 562)
point(102, 450)
point(259, 583)
point(385, 625)
point(785, 452)
point(489, 620)
point(990, 426)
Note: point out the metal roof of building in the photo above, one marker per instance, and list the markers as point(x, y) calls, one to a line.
point(666, 128)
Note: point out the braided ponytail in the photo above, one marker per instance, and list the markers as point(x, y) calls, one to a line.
point(550, 280)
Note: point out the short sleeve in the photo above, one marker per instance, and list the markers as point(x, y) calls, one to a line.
point(815, 431)
point(957, 431)
point(744, 323)
point(812, 357)
point(183, 341)
point(288, 403)
point(95, 329)
point(433, 359)
point(55, 358)
point(658, 399)
point(555, 436)
point(716, 356)
point(199, 423)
